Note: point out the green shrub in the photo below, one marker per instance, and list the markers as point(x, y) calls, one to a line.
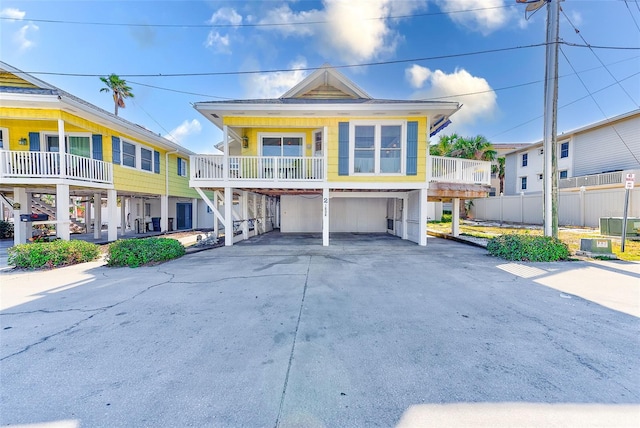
point(52, 254)
point(446, 218)
point(6, 229)
point(528, 248)
point(138, 252)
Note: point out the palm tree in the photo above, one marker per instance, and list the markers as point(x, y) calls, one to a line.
point(499, 169)
point(454, 146)
point(119, 88)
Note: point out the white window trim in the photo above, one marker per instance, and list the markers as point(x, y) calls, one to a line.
point(520, 182)
point(540, 176)
point(522, 165)
point(45, 134)
point(376, 147)
point(283, 135)
point(5, 138)
point(560, 149)
point(139, 148)
point(184, 162)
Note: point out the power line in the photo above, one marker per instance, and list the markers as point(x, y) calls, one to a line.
point(598, 58)
point(600, 108)
point(366, 64)
point(248, 25)
point(631, 13)
point(563, 106)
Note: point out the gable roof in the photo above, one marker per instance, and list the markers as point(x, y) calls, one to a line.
point(26, 90)
point(326, 83)
point(328, 93)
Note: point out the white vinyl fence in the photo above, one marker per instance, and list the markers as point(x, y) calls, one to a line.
point(575, 208)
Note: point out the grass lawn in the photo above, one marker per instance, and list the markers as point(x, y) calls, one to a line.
point(569, 236)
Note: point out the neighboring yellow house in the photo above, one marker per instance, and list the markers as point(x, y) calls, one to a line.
point(140, 176)
point(327, 157)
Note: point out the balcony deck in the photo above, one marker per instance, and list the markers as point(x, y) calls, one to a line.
point(30, 167)
point(310, 172)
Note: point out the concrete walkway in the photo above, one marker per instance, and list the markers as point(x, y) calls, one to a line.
point(367, 332)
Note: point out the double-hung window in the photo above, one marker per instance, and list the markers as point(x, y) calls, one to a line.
point(182, 167)
point(79, 145)
point(129, 154)
point(146, 159)
point(525, 159)
point(377, 147)
point(564, 150)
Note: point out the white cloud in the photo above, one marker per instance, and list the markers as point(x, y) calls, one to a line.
point(182, 131)
point(218, 42)
point(21, 37)
point(489, 16)
point(350, 39)
point(273, 85)
point(12, 13)
point(478, 103)
point(417, 75)
point(226, 14)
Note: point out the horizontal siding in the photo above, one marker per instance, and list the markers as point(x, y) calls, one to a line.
point(602, 149)
point(511, 174)
point(13, 81)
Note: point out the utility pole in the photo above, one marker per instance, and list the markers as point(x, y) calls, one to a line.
point(550, 184)
point(550, 170)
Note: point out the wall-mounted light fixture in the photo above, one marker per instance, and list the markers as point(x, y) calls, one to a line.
point(245, 142)
point(22, 141)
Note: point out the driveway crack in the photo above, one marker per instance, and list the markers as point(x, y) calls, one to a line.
point(293, 345)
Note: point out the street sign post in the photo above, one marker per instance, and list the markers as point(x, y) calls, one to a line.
point(628, 186)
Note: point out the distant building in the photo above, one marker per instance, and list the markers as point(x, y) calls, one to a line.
point(594, 155)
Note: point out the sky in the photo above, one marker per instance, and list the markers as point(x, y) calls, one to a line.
point(485, 54)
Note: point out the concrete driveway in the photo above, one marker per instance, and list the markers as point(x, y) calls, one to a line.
point(378, 333)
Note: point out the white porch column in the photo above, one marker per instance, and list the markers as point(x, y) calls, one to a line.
point(216, 223)
point(264, 213)
point(325, 217)
point(97, 216)
point(455, 216)
point(405, 223)
point(112, 215)
point(423, 217)
point(19, 228)
point(194, 213)
point(225, 140)
point(87, 217)
point(62, 148)
point(228, 217)
point(62, 212)
point(123, 215)
point(164, 213)
point(255, 214)
point(245, 214)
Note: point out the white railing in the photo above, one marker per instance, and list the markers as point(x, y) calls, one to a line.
point(456, 170)
point(26, 164)
point(607, 178)
point(264, 168)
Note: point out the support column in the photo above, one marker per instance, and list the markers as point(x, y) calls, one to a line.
point(29, 225)
point(325, 217)
point(455, 216)
point(264, 213)
point(582, 205)
point(405, 223)
point(255, 214)
point(87, 217)
point(164, 213)
point(423, 217)
point(112, 215)
point(97, 216)
point(19, 227)
point(216, 222)
point(123, 215)
point(62, 212)
point(228, 218)
point(245, 214)
point(194, 213)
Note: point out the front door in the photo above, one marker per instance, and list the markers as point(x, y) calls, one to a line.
point(183, 214)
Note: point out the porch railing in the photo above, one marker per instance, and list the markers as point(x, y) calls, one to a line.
point(265, 168)
point(604, 179)
point(456, 170)
point(27, 164)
